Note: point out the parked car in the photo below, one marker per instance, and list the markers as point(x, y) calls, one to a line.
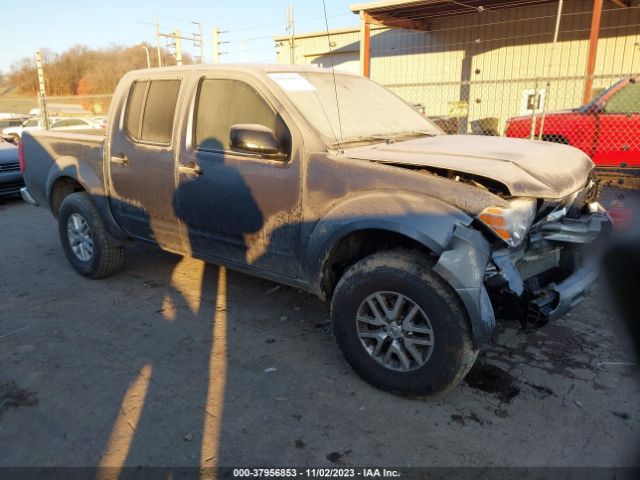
point(77, 123)
point(10, 175)
point(101, 122)
point(27, 125)
point(10, 121)
point(607, 129)
point(417, 238)
point(32, 124)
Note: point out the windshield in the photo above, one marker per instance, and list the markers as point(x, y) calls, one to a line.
point(367, 110)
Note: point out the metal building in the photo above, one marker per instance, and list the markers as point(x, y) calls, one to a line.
point(476, 63)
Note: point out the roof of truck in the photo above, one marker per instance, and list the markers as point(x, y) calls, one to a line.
point(260, 68)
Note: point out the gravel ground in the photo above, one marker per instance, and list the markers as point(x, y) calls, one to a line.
point(176, 363)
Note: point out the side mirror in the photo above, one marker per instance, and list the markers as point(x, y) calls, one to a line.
point(255, 138)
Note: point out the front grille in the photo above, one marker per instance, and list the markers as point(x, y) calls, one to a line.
point(10, 167)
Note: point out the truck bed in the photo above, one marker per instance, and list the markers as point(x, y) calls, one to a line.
point(50, 154)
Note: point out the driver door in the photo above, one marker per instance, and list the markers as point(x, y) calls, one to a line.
point(234, 206)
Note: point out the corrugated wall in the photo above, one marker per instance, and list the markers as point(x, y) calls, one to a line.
point(482, 68)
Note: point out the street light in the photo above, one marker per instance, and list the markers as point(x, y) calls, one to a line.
point(146, 49)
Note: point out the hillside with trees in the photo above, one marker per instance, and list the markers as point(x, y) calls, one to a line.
point(82, 71)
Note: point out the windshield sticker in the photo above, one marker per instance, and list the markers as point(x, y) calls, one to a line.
point(292, 82)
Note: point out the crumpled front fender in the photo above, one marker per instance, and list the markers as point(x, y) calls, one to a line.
point(463, 265)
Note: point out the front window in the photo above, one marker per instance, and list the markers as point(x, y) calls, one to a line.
point(367, 111)
point(223, 103)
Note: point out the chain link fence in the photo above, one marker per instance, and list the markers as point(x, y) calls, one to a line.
point(79, 112)
point(500, 73)
point(71, 105)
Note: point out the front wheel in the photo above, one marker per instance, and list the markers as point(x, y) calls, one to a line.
point(85, 240)
point(400, 326)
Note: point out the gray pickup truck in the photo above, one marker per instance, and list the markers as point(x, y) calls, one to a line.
point(332, 184)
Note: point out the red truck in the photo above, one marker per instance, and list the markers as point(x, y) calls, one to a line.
point(607, 129)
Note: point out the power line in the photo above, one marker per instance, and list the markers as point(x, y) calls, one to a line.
point(279, 24)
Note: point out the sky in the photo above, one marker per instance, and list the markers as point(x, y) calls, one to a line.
point(58, 25)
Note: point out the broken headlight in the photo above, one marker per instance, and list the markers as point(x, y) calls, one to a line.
point(511, 223)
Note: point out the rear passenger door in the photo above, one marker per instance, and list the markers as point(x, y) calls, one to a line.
point(141, 163)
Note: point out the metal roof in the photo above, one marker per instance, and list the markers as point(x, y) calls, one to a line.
point(390, 10)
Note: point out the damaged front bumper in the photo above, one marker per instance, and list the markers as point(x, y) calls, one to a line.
point(534, 283)
point(551, 274)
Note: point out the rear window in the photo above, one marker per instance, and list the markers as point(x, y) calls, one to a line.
point(133, 115)
point(150, 111)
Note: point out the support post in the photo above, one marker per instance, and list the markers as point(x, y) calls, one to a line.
point(202, 60)
point(42, 94)
point(146, 50)
point(178, 41)
point(551, 58)
point(365, 44)
point(158, 43)
point(215, 44)
point(593, 49)
point(291, 30)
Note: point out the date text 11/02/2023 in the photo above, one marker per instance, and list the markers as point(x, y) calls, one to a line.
point(315, 472)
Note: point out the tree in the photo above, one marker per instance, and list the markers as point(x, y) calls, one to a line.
point(80, 70)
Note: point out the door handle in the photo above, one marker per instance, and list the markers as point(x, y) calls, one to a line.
point(121, 160)
point(190, 169)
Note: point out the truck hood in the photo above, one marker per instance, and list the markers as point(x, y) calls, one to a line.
point(526, 168)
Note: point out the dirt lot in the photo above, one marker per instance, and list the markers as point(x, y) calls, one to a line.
point(175, 363)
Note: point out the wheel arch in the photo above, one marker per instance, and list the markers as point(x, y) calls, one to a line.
point(69, 175)
point(359, 243)
point(62, 187)
point(402, 220)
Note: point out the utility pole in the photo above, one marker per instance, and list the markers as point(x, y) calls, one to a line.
point(158, 43)
point(200, 41)
point(291, 31)
point(178, 42)
point(176, 37)
point(215, 44)
point(42, 95)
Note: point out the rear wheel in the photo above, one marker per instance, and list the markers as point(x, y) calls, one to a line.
point(400, 326)
point(85, 240)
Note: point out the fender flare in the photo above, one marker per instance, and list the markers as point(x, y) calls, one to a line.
point(424, 219)
point(463, 253)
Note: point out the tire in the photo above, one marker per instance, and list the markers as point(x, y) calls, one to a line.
point(408, 274)
point(15, 138)
point(97, 256)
